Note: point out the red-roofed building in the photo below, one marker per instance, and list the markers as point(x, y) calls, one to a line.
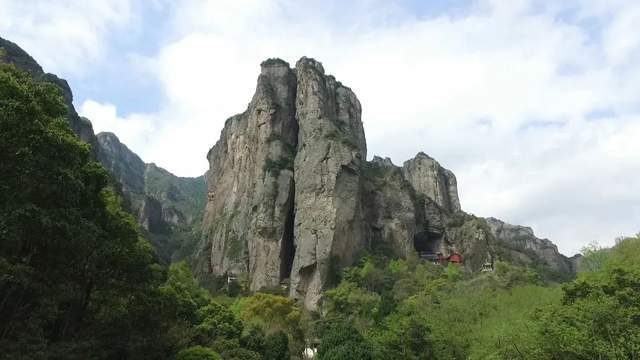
point(455, 258)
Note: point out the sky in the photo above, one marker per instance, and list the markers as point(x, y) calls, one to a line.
point(535, 105)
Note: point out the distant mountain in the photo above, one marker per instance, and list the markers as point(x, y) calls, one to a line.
point(169, 208)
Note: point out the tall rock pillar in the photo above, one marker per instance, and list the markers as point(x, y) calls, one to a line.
point(248, 217)
point(331, 150)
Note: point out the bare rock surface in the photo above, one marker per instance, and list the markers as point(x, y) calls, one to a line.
point(432, 180)
point(291, 195)
point(327, 174)
point(249, 214)
point(522, 239)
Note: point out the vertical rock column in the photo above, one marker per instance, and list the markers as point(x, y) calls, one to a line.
point(251, 183)
point(331, 150)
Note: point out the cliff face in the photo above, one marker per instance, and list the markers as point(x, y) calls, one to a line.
point(284, 184)
point(169, 208)
point(291, 194)
point(520, 239)
point(251, 184)
point(327, 173)
point(433, 181)
point(13, 54)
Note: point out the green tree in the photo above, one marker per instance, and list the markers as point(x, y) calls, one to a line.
point(402, 337)
point(343, 342)
point(241, 354)
point(270, 312)
point(73, 270)
point(273, 313)
point(598, 317)
point(254, 340)
point(217, 321)
point(593, 257)
point(183, 290)
point(277, 346)
point(198, 353)
point(350, 302)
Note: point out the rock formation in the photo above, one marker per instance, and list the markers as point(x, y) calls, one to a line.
point(291, 195)
point(251, 184)
point(328, 181)
point(433, 181)
point(520, 240)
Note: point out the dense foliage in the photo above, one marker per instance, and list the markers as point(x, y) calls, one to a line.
point(415, 310)
point(74, 275)
point(77, 281)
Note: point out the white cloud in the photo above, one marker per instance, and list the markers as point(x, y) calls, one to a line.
point(501, 95)
point(62, 35)
point(135, 129)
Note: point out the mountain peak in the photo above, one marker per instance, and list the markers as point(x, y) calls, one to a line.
point(291, 193)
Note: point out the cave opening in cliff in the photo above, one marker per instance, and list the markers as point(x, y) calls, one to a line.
point(288, 249)
point(427, 242)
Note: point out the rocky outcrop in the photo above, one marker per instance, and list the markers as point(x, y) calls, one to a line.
point(433, 181)
point(150, 215)
point(521, 239)
point(404, 220)
point(285, 183)
point(390, 205)
point(13, 54)
point(291, 195)
point(124, 165)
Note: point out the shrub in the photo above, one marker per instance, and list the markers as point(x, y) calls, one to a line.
point(277, 346)
point(343, 342)
point(198, 353)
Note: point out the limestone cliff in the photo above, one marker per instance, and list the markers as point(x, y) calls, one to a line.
point(327, 173)
point(291, 195)
point(248, 220)
point(433, 181)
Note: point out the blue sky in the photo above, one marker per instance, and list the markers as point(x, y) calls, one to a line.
point(533, 104)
